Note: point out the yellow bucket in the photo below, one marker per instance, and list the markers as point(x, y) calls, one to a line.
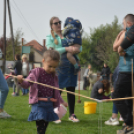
point(89, 107)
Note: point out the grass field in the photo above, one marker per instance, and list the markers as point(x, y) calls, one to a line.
point(19, 109)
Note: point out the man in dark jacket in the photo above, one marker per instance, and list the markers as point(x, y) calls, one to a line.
point(105, 73)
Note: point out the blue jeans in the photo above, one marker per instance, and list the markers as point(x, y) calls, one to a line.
point(115, 110)
point(115, 77)
point(3, 90)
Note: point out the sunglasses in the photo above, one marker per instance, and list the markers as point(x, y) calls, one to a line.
point(56, 23)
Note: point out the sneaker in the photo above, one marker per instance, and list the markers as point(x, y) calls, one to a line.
point(13, 93)
point(4, 115)
point(76, 70)
point(57, 121)
point(112, 122)
point(73, 118)
point(127, 130)
point(121, 119)
point(16, 94)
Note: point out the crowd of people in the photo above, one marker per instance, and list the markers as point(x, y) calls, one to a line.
point(60, 67)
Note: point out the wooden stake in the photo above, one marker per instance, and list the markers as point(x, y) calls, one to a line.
point(132, 91)
point(79, 75)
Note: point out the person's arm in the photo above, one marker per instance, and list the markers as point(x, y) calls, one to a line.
point(118, 40)
point(50, 44)
point(100, 91)
point(120, 49)
point(26, 84)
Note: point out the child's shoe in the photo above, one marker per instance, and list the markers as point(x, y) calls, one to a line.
point(112, 122)
point(13, 93)
point(57, 121)
point(16, 94)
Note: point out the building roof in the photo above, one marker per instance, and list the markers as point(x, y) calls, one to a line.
point(39, 48)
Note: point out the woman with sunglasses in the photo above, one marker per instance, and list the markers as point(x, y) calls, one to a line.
point(66, 76)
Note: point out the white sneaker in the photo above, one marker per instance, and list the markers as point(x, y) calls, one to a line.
point(4, 115)
point(57, 121)
point(121, 119)
point(112, 122)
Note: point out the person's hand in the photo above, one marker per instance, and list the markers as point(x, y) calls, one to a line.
point(122, 53)
point(19, 78)
point(65, 104)
point(69, 49)
point(53, 100)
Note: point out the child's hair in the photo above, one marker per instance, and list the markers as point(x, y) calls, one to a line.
point(24, 56)
point(129, 17)
point(54, 55)
point(52, 32)
point(107, 88)
point(17, 57)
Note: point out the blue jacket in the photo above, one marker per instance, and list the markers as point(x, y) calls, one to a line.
point(126, 67)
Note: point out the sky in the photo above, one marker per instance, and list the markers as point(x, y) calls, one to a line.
point(32, 16)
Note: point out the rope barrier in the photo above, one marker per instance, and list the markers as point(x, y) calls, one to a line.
point(76, 94)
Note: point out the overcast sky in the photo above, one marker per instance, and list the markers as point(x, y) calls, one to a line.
point(37, 13)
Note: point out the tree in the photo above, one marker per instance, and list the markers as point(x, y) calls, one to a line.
point(98, 46)
point(17, 42)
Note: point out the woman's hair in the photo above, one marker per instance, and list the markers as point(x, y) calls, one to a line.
point(24, 56)
point(107, 85)
point(52, 32)
point(17, 57)
point(52, 54)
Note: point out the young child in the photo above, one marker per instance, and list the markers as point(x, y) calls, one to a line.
point(72, 33)
point(43, 99)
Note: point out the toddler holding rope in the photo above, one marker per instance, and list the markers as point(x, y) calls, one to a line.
point(43, 99)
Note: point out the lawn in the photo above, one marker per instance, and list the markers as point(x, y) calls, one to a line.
point(19, 109)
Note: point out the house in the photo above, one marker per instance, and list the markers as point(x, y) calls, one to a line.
point(37, 51)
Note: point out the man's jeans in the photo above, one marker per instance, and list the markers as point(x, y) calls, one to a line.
point(3, 90)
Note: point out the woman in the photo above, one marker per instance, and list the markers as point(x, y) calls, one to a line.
point(66, 76)
point(18, 70)
point(99, 89)
point(25, 71)
point(3, 95)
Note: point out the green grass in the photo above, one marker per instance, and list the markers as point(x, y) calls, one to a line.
point(19, 109)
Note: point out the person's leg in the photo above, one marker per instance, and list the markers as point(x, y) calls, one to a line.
point(18, 87)
point(71, 100)
point(84, 83)
point(4, 91)
point(71, 104)
point(123, 89)
point(71, 58)
point(41, 126)
point(113, 120)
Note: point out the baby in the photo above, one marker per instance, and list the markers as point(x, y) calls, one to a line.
point(72, 33)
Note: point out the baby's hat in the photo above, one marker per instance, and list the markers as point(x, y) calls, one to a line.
point(77, 24)
point(68, 20)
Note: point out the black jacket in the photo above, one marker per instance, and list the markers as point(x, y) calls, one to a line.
point(18, 67)
point(105, 72)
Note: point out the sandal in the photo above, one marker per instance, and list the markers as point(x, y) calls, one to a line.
point(73, 118)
